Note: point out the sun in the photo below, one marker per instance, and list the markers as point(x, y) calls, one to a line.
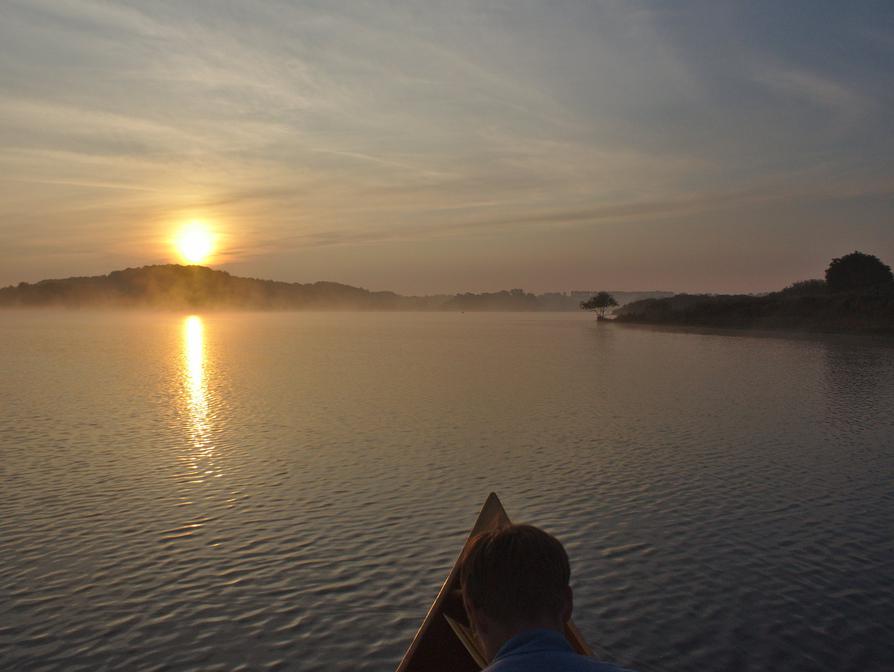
point(195, 243)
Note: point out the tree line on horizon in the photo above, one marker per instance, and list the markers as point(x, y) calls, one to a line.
point(196, 287)
point(856, 294)
point(175, 287)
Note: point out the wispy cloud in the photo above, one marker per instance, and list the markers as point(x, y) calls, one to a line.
point(810, 86)
point(299, 125)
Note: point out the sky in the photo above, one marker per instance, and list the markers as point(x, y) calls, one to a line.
point(440, 147)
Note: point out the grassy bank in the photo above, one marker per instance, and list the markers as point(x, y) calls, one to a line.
point(864, 311)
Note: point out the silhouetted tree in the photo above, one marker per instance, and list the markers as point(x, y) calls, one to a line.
point(599, 303)
point(814, 287)
point(857, 271)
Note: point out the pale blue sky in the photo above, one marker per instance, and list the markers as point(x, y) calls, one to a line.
point(450, 146)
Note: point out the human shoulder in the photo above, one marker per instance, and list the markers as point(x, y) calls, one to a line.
point(545, 650)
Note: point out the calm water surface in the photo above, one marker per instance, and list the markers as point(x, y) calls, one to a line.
point(288, 491)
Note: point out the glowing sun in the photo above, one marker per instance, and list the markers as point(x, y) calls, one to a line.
point(195, 243)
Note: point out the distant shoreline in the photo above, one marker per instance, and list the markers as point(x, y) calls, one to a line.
point(175, 287)
point(868, 312)
point(881, 338)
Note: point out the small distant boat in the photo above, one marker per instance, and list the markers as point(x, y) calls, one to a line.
point(445, 641)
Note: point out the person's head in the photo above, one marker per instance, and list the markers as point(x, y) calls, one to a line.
point(513, 579)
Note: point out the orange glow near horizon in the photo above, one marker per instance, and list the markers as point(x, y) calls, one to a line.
point(195, 243)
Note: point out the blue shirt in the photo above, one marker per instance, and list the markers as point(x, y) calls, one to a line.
point(544, 651)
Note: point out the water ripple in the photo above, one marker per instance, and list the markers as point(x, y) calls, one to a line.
point(288, 491)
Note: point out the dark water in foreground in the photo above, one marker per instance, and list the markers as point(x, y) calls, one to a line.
point(288, 491)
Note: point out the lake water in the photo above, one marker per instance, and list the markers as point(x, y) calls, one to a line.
point(288, 491)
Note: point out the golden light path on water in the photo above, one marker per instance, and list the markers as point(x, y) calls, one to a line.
point(200, 457)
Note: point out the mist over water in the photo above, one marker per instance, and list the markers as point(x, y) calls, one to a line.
point(288, 491)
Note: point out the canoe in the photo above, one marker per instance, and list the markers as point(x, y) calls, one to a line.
point(444, 641)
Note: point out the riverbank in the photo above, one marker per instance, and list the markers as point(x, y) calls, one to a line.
point(863, 312)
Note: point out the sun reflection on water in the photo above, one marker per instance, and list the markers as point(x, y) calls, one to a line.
point(195, 381)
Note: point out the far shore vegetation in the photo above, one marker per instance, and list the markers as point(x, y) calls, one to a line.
point(599, 303)
point(175, 287)
point(856, 295)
